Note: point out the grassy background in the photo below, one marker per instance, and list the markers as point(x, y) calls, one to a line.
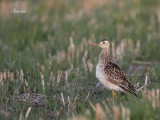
point(50, 44)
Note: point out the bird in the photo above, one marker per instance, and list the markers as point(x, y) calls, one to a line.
point(109, 74)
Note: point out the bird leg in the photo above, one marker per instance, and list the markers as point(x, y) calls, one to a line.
point(114, 94)
point(97, 86)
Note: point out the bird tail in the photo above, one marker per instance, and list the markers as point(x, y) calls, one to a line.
point(135, 94)
point(133, 90)
point(130, 89)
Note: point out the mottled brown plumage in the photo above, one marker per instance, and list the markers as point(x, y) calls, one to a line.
point(109, 74)
point(116, 76)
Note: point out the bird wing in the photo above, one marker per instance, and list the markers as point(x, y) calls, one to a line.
point(116, 76)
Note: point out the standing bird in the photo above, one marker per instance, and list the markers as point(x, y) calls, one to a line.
point(109, 74)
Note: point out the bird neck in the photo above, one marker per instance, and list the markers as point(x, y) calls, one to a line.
point(105, 56)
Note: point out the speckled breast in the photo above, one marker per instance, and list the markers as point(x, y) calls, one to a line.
point(100, 74)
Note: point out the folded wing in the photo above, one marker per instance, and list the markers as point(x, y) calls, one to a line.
point(116, 76)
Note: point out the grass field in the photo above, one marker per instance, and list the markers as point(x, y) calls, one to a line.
point(46, 52)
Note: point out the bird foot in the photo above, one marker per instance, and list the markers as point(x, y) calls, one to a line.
point(114, 94)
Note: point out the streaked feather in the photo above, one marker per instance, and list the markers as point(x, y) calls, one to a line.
point(116, 76)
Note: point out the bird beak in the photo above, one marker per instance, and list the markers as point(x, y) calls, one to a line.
point(94, 44)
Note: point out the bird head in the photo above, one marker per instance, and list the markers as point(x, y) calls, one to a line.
point(104, 44)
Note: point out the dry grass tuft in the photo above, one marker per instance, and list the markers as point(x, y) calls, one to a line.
point(100, 115)
point(36, 99)
point(125, 113)
point(116, 112)
point(153, 96)
point(120, 51)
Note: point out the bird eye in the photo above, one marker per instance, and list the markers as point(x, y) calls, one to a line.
point(103, 42)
